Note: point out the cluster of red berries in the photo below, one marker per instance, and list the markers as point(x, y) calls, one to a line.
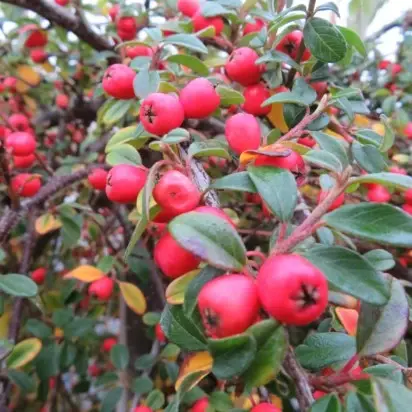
point(126, 26)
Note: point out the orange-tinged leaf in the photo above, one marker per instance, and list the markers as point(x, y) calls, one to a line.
point(133, 297)
point(85, 273)
point(334, 134)
point(379, 128)
point(23, 353)
point(361, 121)
point(27, 78)
point(47, 67)
point(47, 223)
point(276, 117)
point(198, 362)
point(4, 324)
point(175, 292)
point(349, 319)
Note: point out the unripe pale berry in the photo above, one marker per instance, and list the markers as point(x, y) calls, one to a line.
point(228, 305)
point(19, 122)
point(290, 45)
point(23, 162)
point(188, 7)
point(118, 81)
point(200, 405)
point(160, 113)
point(379, 194)
point(39, 275)
point(97, 178)
point(176, 193)
point(108, 343)
point(292, 290)
point(336, 204)
point(139, 50)
point(199, 99)
point(241, 66)
point(265, 407)
point(200, 22)
point(38, 55)
point(172, 259)
point(102, 288)
point(254, 96)
point(36, 37)
point(242, 132)
point(255, 27)
point(124, 183)
point(25, 184)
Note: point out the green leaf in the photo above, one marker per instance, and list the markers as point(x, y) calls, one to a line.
point(368, 157)
point(330, 5)
point(79, 327)
point(18, 285)
point(379, 223)
point(389, 396)
point(123, 154)
point(111, 400)
point(366, 136)
point(229, 96)
point(213, 8)
point(126, 135)
point(142, 385)
point(180, 330)
point(116, 111)
point(275, 56)
point(119, 355)
point(208, 148)
point(271, 350)
point(392, 180)
point(389, 136)
point(357, 402)
point(353, 39)
point(47, 361)
point(324, 159)
point(327, 403)
point(189, 41)
point(331, 145)
point(146, 82)
point(236, 181)
point(325, 349)
point(38, 328)
point(350, 273)
point(390, 372)
point(205, 275)
point(211, 238)
point(380, 259)
point(191, 62)
point(277, 188)
point(220, 401)
point(155, 399)
point(380, 329)
point(24, 381)
point(324, 40)
point(68, 353)
point(232, 355)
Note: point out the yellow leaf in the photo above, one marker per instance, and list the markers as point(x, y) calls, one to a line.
point(23, 353)
point(276, 117)
point(133, 297)
point(47, 223)
point(296, 147)
point(175, 292)
point(85, 273)
point(361, 120)
point(27, 78)
point(379, 128)
point(334, 134)
point(198, 362)
point(4, 324)
point(47, 67)
point(349, 319)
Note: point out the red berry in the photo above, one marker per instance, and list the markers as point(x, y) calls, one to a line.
point(124, 183)
point(160, 336)
point(38, 55)
point(97, 178)
point(320, 88)
point(200, 405)
point(94, 370)
point(160, 113)
point(142, 409)
point(10, 83)
point(379, 194)
point(139, 50)
point(228, 305)
point(407, 208)
point(318, 394)
point(62, 2)
point(254, 97)
point(290, 45)
point(199, 23)
point(39, 275)
point(23, 162)
point(242, 132)
point(408, 197)
point(396, 69)
point(265, 407)
point(172, 259)
point(108, 343)
point(215, 211)
point(384, 64)
point(307, 140)
point(19, 122)
point(62, 101)
point(398, 170)
point(292, 290)
point(255, 27)
point(25, 184)
point(336, 204)
point(36, 37)
point(113, 11)
point(164, 216)
point(241, 66)
point(102, 288)
point(407, 131)
point(188, 7)
point(126, 28)
point(199, 90)
point(118, 81)
point(176, 193)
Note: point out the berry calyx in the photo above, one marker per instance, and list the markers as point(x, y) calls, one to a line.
point(199, 90)
point(160, 113)
point(97, 178)
point(336, 204)
point(241, 66)
point(175, 193)
point(62, 101)
point(200, 405)
point(160, 336)
point(228, 305)
point(292, 290)
point(124, 183)
point(39, 275)
point(188, 7)
point(25, 184)
point(21, 143)
point(265, 407)
point(108, 343)
point(255, 27)
point(254, 96)
point(172, 259)
point(118, 81)
point(378, 194)
point(242, 132)
point(290, 45)
point(200, 22)
point(102, 288)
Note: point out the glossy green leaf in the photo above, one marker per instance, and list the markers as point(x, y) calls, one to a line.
point(301, 94)
point(211, 238)
point(357, 402)
point(119, 355)
point(392, 180)
point(353, 39)
point(229, 96)
point(331, 145)
point(155, 399)
point(142, 385)
point(146, 82)
point(324, 159)
point(390, 372)
point(21, 379)
point(327, 403)
point(127, 135)
point(111, 400)
point(189, 41)
point(366, 136)
point(209, 148)
point(368, 157)
point(236, 181)
point(380, 259)
point(18, 285)
point(191, 62)
point(116, 111)
point(389, 396)
point(123, 154)
point(389, 136)
point(330, 5)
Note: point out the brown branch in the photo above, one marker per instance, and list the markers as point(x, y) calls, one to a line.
point(4, 170)
point(64, 18)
